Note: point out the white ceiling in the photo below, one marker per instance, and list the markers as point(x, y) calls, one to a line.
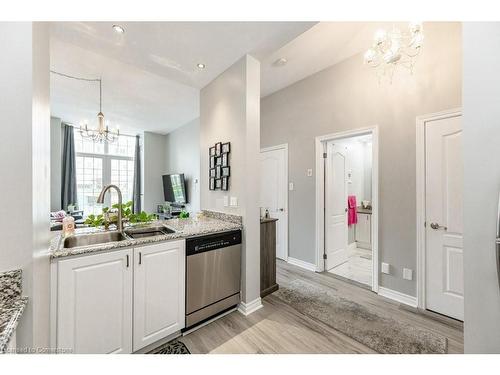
point(323, 45)
point(134, 99)
point(150, 78)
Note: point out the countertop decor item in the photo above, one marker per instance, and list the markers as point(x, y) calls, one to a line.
point(219, 170)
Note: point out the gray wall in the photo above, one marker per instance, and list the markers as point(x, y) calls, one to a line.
point(229, 112)
point(55, 163)
point(481, 111)
point(25, 169)
point(183, 156)
point(348, 96)
point(154, 166)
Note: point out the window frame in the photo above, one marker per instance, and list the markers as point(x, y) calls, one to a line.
point(106, 168)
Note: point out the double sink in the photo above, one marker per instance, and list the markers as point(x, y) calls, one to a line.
point(115, 236)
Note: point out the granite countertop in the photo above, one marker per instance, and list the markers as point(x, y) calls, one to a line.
point(12, 305)
point(209, 222)
point(362, 210)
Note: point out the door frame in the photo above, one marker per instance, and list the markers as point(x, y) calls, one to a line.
point(421, 121)
point(284, 147)
point(320, 191)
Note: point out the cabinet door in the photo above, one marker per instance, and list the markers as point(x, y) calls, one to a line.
point(363, 230)
point(94, 304)
point(159, 285)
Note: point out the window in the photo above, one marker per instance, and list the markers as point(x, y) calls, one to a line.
point(100, 164)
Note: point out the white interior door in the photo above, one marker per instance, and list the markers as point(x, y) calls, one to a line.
point(444, 217)
point(273, 194)
point(335, 206)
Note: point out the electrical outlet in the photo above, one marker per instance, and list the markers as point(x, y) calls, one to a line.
point(407, 274)
point(290, 186)
point(309, 172)
point(233, 202)
point(386, 268)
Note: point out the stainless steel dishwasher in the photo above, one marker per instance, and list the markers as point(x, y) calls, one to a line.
point(213, 274)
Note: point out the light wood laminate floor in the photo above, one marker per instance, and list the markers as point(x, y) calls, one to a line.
point(278, 328)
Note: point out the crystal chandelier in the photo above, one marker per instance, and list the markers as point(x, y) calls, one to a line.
point(395, 49)
point(102, 133)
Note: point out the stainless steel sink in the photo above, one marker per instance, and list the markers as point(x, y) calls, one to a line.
point(93, 239)
point(141, 232)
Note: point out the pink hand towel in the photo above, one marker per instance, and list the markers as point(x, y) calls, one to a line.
point(352, 214)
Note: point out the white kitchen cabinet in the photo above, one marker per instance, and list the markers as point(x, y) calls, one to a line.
point(364, 231)
point(94, 303)
point(119, 301)
point(159, 299)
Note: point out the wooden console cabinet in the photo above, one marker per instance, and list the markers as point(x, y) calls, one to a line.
point(268, 283)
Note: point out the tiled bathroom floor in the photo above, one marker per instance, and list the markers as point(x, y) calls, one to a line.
point(358, 267)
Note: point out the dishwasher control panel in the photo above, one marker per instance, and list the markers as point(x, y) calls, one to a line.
point(210, 242)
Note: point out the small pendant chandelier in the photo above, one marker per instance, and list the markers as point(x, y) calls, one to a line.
point(102, 133)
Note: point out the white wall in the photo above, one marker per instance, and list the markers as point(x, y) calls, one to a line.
point(55, 163)
point(230, 112)
point(481, 109)
point(183, 156)
point(154, 166)
point(348, 96)
point(25, 169)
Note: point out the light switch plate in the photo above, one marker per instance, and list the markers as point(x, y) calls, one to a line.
point(407, 274)
point(234, 202)
point(290, 186)
point(309, 172)
point(386, 268)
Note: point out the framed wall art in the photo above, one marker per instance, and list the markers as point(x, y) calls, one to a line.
point(219, 170)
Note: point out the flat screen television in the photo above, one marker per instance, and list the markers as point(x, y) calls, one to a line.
point(174, 188)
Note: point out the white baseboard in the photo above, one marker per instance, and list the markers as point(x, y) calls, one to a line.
point(397, 296)
point(250, 307)
point(300, 263)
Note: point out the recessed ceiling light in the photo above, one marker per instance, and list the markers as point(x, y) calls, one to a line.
point(280, 62)
point(118, 29)
point(200, 66)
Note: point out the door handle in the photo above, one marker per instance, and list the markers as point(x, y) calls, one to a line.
point(436, 226)
point(281, 209)
point(127, 261)
point(140, 257)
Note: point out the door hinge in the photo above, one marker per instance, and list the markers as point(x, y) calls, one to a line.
point(325, 256)
point(324, 155)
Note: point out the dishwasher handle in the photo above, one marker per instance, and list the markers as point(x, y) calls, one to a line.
point(497, 242)
point(497, 249)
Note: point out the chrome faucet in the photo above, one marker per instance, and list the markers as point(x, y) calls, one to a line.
point(100, 199)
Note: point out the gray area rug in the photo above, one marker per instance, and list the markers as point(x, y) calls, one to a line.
point(382, 334)
point(172, 347)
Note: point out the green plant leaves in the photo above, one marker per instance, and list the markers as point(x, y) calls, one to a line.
point(126, 209)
